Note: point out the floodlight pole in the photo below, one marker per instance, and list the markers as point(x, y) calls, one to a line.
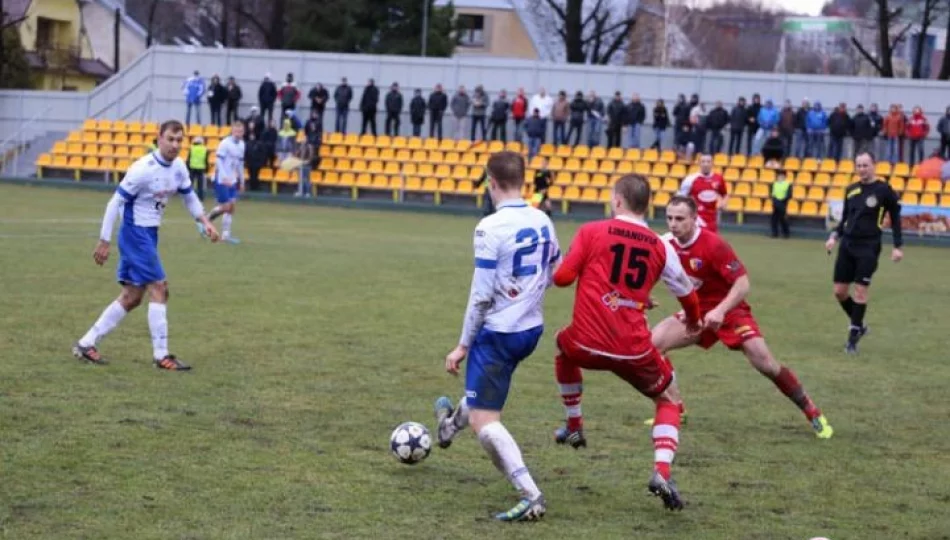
point(425, 25)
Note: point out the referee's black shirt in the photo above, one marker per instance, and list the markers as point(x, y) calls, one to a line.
point(863, 214)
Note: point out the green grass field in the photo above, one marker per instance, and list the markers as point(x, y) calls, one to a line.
point(327, 327)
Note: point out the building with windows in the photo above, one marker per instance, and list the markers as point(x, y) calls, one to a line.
point(497, 28)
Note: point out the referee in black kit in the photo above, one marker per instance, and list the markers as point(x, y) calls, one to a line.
point(859, 230)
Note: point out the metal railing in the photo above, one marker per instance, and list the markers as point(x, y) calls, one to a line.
point(12, 146)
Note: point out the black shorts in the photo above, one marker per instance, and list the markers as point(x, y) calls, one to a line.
point(856, 262)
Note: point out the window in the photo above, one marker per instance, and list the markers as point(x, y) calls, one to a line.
point(471, 29)
point(44, 33)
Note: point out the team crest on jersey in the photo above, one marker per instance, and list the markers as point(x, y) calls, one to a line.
point(614, 301)
point(695, 264)
point(707, 196)
point(871, 201)
point(734, 266)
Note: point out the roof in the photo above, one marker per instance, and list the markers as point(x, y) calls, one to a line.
point(128, 21)
point(478, 4)
point(86, 66)
point(15, 9)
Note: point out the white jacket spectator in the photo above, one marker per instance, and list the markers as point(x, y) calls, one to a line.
point(542, 102)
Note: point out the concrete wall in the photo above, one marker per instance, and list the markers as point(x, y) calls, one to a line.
point(25, 115)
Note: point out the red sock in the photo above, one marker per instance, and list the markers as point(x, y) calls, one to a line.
point(787, 382)
point(666, 427)
point(569, 380)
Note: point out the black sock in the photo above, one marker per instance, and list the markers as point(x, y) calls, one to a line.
point(847, 305)
point(214, 214)
point(857, 315)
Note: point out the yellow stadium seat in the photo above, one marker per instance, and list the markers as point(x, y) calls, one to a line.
point(137, 140)
point(678, 170)
point(371, 153)
point(75, 162)
point(60, 162)
point(733, 204)
point(809, 208)
point(555, 163)
point(731, 174)
point(413, 143)
point(749, 175)
point(609, 167)
point(841, 180)
point(822, 179)
point(591, 165)
point(915, 185)
point(106, 164)
point(670, 185)
point(928, 199)
point(149, 128)
point(90, 149)
point(945, 201)
point(760, 190)
point(846, 166)
point(810, 165)
point(828, 166)
point(721, 160)
point(793, 207)
point(897, 183)
point(460, 172)
point(437, 156)
point(443, 171)
point(464, 186)
point(661, 199)
point(330, 178)
point(799, 192)
point(792, 164)
point(661, 169)
point(582, 179)
point(74, 136)
point(572, 193)
point(122, 152)
point(547, 150)
point(756, 162)
point(909, 198)
point(642, 167)
point(581, 151)
point(599, 180)
point(933, 186)
point(901, 169)
point(377, 167)
point(398, 142)
point(835, 194)
point(104, 137)
point(447, 185)
point(767, 175)
point(364, 180)
point(563, 178)
point(815, 194)
point(89, 124)
point(44, 160)
point(563, 151)
point(369, 140)
point(590, 194)
point(122, 165)
point(451, 158)
point(615, 154)
point(104, 125)
point(572, 164)
point(598, 152)
point(89, 137)
point(420, 156)
point(738, 161)
point(882, 168)
point(74, 148)
point(556, 192)
point(413, 183)
point(668, 156)
point(605, 196)
point(347, 179)
point(753, 204)
point(59, 147)
point(426, 169)
point(120, 138)
point(804, 178)
point(743, 189)
point(105, 150)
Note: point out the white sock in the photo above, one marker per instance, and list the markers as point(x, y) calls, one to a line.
point(226, 224)
point(506, 456)
point(110, 318)
point(158, 325)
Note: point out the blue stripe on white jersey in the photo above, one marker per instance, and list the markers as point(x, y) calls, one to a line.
point(518, 243)
point(148, 185)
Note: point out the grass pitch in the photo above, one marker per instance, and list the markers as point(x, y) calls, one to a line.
point(326, 328)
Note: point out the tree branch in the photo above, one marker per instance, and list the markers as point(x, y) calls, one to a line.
point(899, 37)
point(593, 13)
point(253, 19)
point(619, 40)
point(557, 9)
point(14, 22)
point(866, 54)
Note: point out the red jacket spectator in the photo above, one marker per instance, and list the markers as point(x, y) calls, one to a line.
point(917, 127)
point(519, 107)
point(894, 124)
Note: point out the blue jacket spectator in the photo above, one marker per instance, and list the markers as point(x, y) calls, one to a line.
point(768, 116)
point(817, 119)
point(194, 89)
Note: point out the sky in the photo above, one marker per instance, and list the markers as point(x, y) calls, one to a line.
point(807, 7)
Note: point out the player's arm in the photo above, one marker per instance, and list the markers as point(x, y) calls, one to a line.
point(481, 295)
point(569, 270)
point(554, 262)
point(222, 157)
point(193, 205)
point(733, 272)
point(893, 206)
point(838, 231)
point(723, 195)
point(686, 185)
point(679, 284)
point(125, 193)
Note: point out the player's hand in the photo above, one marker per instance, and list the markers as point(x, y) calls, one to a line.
point(713, 320)
point(652, 303)
point(830, 244)
point(897, 254)
point(454, 359)
point(693, 329)
point(210, 230)
point(101, 254)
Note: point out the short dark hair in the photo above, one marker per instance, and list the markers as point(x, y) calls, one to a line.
point(171, 125)
point(683, 199)
point(635, 191)
point(868, 152)
point(507, 168)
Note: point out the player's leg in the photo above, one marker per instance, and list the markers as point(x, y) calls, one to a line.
point(86, 348)
point(759, 355)
point(492, 362)
point(570, 381)
point(228, 218)
point(652, 375)
point(670, 334)
point(865, 266)
point(158, 327)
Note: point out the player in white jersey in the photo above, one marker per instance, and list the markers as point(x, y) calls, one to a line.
point(140, 202)
point(515, 251)
point(228, 179)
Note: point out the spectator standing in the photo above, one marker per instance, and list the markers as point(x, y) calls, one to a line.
point(578, 112)
point(318, 99)
point(801, 132)
point(534, 129)
point(616, 112)
point(198, 165)
point(288, 95)
point(862, 130)
point(438, 104)
point(256, 155)
point(680, 113)
point(661, 122)
point(461, 104)
point(286, 139)
point(636, 115)
point(479, 112)
point(917, 130)
point(342, 97)
point(369, 103)
point(217, 95)
point(305, 153)
point(781, 192)
point(817, 124)
point(766, 120)
point(878, 123)
point(519, 110)
point(943, 128)
point(417, 112)
point(394, 105)
point(234, 100)
point(313, 129)
point(499, 117)
point(266, 97)
point(752, 124)
point(193, 89)
point(595, 118)
point(544, 104)
point(773, 149)
point(738, 118)
point(716, 121)
point(839, 127)
point(786, 126)
point(560, 114)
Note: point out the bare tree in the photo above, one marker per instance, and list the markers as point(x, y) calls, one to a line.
point(589, 31)
point(945, 65)
point(931, 9)
point(4, 24)
point(269, 17)
point(885, 21)
point(150, 24)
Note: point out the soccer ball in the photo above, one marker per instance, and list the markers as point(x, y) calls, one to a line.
point(410, 443)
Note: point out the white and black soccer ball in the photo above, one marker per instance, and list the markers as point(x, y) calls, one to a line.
point(410, 443)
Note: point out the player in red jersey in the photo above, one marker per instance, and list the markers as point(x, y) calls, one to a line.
point(722, 285)
point(708, 189)
point(616, 262)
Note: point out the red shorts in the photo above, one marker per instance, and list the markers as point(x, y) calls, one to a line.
point(738, 326)
point(649, 372)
